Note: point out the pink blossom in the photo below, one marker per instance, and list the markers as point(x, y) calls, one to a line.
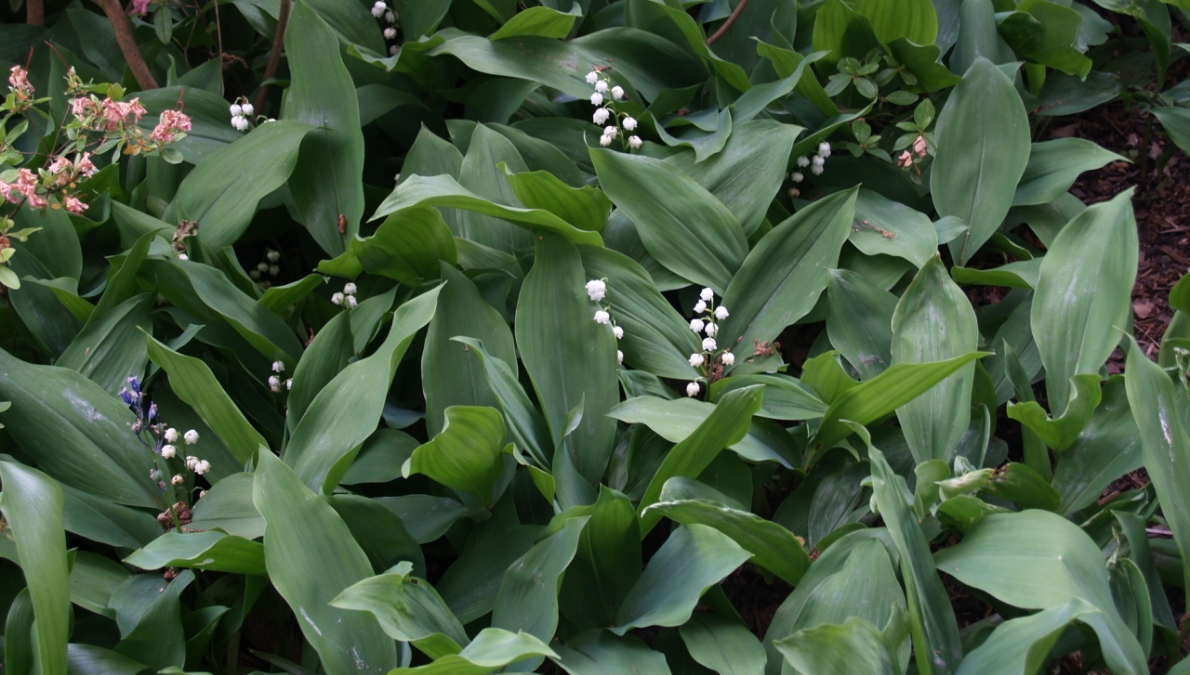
point(19, 79)
point(172, 121)
point(905, 160)
point(74, 205)
point(920, 146)
point(140, 7)
point(82, 107)
point(7, 190)
point(118, 112)
point(84, 165)
point(27, 183)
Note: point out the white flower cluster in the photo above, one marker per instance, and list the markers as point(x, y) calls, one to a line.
point(275, 382)
point(169, 451)
point(241, 114)
point(597, 291)
point(605, 112)
point(267, 266)
point(382, 10)
point(815, 162)
point(708, 325)
point(347, 297)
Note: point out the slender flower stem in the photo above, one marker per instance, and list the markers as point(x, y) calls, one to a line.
point(270, 70)
point(727, 24)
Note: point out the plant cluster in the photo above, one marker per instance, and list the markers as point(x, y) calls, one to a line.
point(473, 336)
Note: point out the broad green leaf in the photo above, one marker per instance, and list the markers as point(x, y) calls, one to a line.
point(833, 649)
point(932, 621)
point(983, 148)
point(352, 22)
point(570, 359)
point(598, 652)
point(213, 551)
point(491, 649)
point(783, 276)
point(466, 455)
point(1108, 447)
point(859, 320)
point(883, 226)
point(1084, 294)
point(92, 579)
point(606, 564)
point(1046, 33)
point(408, 246)
point(1176, 122)
point(109, 350)
point(1018, 483)
point(192, 380)
point(156, 637)
point(208, 113)
point(326, 183)
point(1023, 645)
point(691, 560)
point(978, 37)
point(470, 585)
point(1061, 432)
point(33, 505)
point(726, 425)
point(421, 17)
point(77, 432)
point(747, 173)
point(681, 224)
point(228, 506)
point(528, 596)
point(325, 436)
point(91, 660)
point(679, 27)
point(916, 21)
point(705, 143)
point(1055, 165)
point(326, 355)
point(774, 548)
point(839, 30)
point(587, 208)
point(379, 532)
point(1160, 408)
point(879, 397)
point(656, 337)
point(427, 517)
point(933, 322)
point(121, 283)
point(785, 62)
point(451, 373)
point(444, 191)
point(543, 21)
point(1054, 563)
point(482, 174)
point(311, 558)
point(100, 520)
point(408, 609)
point(723, 645)
point(278, 299)
point(222, 192)
point(1018, 274)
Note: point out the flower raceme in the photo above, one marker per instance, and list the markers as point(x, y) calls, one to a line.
point(602, 114)
point(711, 359)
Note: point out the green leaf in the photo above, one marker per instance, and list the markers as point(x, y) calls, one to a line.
point(1054, 563)
point(854, 646)
point(542, 21)
point(916, 21)
point(1061, 432)
point(213, 551)
point(859, 319)
point(1018, 274)
point(932, 622)
point(983, 148)
point(774, 548)
point(228, 506)
point(222, 192)
point(466, 455)
point(1023, 645)
point(1046, 33)
point(33, 506)
point(408, 609)
point(344, 413)
point(570, 359)
point(933, 322)
point(1176, 122)
point(192, 380)
point(528, 596)
point(77, 432)
point(408, 246)
point(723, 645)
point(1018, 483)
point(99, 519)
point(1084, 294)
point(842, 32)
point(491, 649)
point(598, 652)
point(93, 578)
point(427, 517)
point(691, 560)
point(1108, 447)
point(883, 226)
point(725, 426)
point(311, 558)
point(783, 276)
point(1055, 165)
point(879, 397)
point(91, 660)
point(682, 225)
point(157, 636)
point(606, 564)
point(586, 208)
point(109, 350)
point(445, 191)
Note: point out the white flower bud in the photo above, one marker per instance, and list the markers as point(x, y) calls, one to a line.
point(709, 345)
point(803, 162)
point(169, 451)
point(712, 330)
point(721, 313)
point(618, 331)
point(183, 256)
point(596, 99)
point(611, 131)
point(273, 256)
point(824, 149)
point(178, 479)
point(350, 302)
point(278, 366)
point(274, 270)
point(728, 359)
point(379, 8)
point(697, 360)
point(816, 170)
point(706, 294)
point(248, 109)
point(191, 461)
point(390, 33)
point(202, 493)
point(337, 299)
point(696, 325)
point(171, 435)
point(202, 467)
point(600, 116)
point(289, 384)
point(619, 356)
point(390, 17)
point(392, 51)
point(240, 123)
point(617, 92)
point(596, 290)
point(191, 437)
point(592, 77)
point(700, 307)
point(601, 86)
point(605, 140)
point(630, 123)
point(818, 161)
point(275, 384)
point(262, 267)
point(236, 110)
point(603, 317)
point(349, 288)
point(692, 389)
point(797, 176)
point(634, 142)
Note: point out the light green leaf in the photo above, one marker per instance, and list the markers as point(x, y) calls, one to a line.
point(528, 596)
point(586, 208)
point(1108, 447)
point(213, 551)
point(311, 558)
point(1023, 645)
point(607, 563)
point(916, 21)
point(228, 506)
point(110, 349)
point(542, 21)
point(854, 646)
point(156, 636)
point(1061, 432)
point(1018, 274)
point(883, 226)
point(408, 246)
point(491, 649)
point(859, 320)
point(598, 652)
point(1176, 122)
point(1084, 294)
point(725, 646)
point(466, 455)
point(983, 148)
point(1055, 165)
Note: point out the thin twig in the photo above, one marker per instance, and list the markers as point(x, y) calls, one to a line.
point(35, 12)
point(727, 24)
point(270, 71)
point(136, 62)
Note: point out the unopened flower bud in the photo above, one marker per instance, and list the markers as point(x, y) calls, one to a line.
point(700, 307)
point(236, 110)
point(350, 302)
point(619, 356)
point(337, 299)
point(273, 256)
point(824, 149)
point(634, 142)
point(169, 451)
point(803, 162)
point(274, 270)
point(617, 92)
point(275, 384)
point(349, 288)
point(390, 33)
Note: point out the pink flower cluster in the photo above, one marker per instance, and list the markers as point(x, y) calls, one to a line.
point(26, 186)
point(171, 122)
point(62, 172)
point(19, 81)
point(107, 114)
point(140, 7)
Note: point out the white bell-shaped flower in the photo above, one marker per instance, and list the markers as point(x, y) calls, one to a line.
point(692, 389)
